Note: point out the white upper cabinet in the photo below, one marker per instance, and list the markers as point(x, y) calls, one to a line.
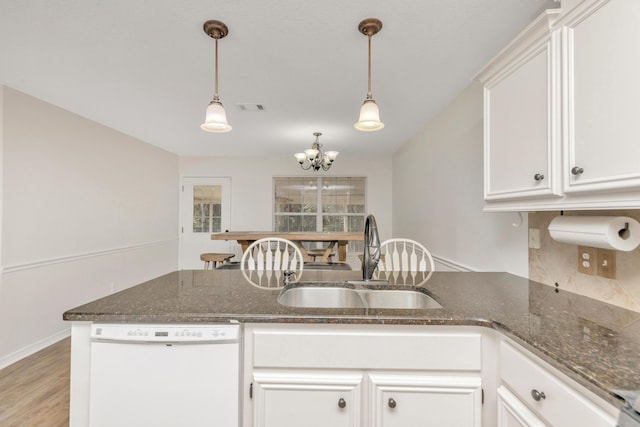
point(521, 103)
point(561, 112)
point(602, 110)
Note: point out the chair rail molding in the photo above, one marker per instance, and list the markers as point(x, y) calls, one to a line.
point(77, 257)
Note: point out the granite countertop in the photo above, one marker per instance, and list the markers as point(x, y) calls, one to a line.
point(595, 343)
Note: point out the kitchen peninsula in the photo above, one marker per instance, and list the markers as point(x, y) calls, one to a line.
point(594, 344)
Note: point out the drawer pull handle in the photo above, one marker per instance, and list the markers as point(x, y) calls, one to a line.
point(577, 170)
point(342, 403)
point(392, 403)
point(537, 395)
point(538, 177)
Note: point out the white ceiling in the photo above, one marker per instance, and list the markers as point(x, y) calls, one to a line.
point(145, 67)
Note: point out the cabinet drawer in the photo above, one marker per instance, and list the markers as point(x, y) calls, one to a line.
point(562, 405)
point(364, 348)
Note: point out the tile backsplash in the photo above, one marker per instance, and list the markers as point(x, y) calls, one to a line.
point(557, 263)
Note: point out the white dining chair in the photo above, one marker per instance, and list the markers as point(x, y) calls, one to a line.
point(265, 261)
point(404, 262)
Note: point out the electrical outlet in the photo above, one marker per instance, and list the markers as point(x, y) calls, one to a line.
point(534, 238)
point(607, 263)
point(587, 260)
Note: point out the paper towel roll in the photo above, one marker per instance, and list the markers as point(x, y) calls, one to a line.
point(620, 233)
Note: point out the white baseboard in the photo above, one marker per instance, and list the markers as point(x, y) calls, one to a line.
point(33, 348)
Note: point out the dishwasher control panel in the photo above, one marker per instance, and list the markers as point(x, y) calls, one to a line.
point(165, 332)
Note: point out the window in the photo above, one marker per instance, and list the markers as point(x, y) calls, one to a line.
point(320, 204)
point(207, 202)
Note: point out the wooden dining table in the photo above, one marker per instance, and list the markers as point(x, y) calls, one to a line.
point(341, 239)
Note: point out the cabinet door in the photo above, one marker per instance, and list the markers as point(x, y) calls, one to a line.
point(546, 393)
point(513, 413)
point(306, 399)
point(521, 105)
point(601, 65)
point(415, 400)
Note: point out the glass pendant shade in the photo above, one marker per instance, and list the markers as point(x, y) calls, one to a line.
point(216, 118)
point(311, 153)
point(300, 157)
point(369, 119)
point(331, 155)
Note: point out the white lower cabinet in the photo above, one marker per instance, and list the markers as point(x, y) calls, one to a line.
point(419, 400)
point(545, 393)
point(290, 399)
point(361, 376)
point(404, 376)
point(513, 413)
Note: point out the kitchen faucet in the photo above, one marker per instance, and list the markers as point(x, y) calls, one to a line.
point(371, 248)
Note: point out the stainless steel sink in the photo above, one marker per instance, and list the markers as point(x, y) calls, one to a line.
point(399, 299)
point(316, 296)
point(334, 296)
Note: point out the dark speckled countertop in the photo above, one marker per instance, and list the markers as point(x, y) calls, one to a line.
point(595, 343)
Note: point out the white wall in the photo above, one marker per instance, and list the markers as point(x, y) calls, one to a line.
point(437, 194)
point(252, 186)
point(86, 211)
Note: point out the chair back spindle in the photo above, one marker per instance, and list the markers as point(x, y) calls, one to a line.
point(265, 260)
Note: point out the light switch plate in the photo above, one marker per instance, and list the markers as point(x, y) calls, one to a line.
point(606, 263)
point(587, 260)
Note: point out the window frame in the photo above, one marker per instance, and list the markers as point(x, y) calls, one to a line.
point(319, 213)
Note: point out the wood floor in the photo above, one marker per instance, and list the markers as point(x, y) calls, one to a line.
point(35, 391)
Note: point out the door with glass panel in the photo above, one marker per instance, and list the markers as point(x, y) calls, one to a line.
point(204, 209)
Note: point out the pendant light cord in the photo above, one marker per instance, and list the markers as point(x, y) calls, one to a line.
point(215, 94)
point(369, 95)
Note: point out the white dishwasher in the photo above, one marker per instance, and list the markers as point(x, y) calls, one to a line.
point(164, 375)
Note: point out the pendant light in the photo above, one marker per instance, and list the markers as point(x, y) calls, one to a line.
point(369, 119)
point(216, 119)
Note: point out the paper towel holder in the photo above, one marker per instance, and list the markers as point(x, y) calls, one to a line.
point(624, 233)
point(607, 232)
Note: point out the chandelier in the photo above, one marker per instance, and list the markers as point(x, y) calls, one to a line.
point(314, 157)
point(216, 118)
point(369, 119)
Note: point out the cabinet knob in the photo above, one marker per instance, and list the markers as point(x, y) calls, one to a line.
point(342, 403)
point(537, 395)
point(576, 170)
point(392, 403)
point(538, 177)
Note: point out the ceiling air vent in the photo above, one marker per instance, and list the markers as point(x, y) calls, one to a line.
point(250, 107)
